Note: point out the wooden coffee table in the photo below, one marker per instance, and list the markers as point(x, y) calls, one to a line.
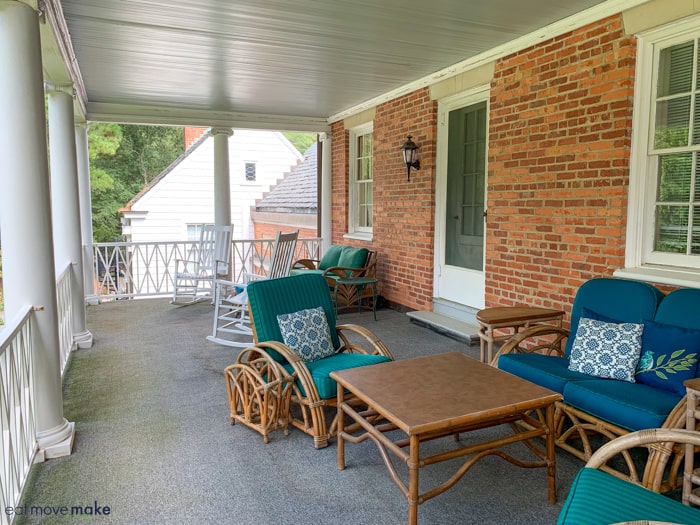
point(438, 396)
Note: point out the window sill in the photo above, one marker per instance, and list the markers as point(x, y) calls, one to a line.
point(684, 277)
point(358, 236)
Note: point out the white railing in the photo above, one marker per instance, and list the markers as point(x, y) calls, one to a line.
point(141, 269)
point(18, 441)
point(64, 303)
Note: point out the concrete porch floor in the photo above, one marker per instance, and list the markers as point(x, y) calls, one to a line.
point(154, 442)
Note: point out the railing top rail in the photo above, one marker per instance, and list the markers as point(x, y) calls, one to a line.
point(11, 329)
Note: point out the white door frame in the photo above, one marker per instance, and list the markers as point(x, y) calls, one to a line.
point(445, 106)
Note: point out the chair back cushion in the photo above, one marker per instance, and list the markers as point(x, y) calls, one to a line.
point(353, 257)
point(680, 308)
point(621, 300)
point(331, 257)
point(273, 297)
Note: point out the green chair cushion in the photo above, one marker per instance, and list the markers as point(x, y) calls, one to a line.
point(303, 271)
point(331, 257)
point(598, 498)
point(353, 257)
point(320, 370)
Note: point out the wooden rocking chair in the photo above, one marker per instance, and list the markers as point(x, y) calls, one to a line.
point(194, 277)
point(231, 319)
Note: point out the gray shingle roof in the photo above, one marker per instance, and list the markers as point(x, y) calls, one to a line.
point(297, 193)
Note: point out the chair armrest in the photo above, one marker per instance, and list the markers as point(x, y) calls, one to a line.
point(349, 272)
point(378, 347)
point(553, 342)
point(185, 264)
point(309, 264)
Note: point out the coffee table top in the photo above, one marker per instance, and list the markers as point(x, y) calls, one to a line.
point(442, 391)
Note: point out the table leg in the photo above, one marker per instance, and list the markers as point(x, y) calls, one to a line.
point(341, 428)
point(413, 468)
point(360, 289)
point(374, 300)
point(551, 458)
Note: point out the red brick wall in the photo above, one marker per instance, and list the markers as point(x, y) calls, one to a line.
point(192, 134)
point(560, 126)
point(559, 141)
point(269, 231)
point(403, 230)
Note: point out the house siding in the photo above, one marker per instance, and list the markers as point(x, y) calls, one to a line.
point(560, 126)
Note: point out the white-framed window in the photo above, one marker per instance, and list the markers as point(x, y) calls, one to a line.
point(194, 231)
point(663, 231)
point(361, 181)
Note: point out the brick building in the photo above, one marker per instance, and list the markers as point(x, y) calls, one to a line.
point(559, 159)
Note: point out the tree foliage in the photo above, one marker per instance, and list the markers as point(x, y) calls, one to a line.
point(124, 159)
point(301, 140)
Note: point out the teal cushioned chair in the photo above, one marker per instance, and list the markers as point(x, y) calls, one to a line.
point(341, 261)
point(313, 389)
point(599, 498)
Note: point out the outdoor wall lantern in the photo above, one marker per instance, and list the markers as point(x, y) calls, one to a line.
point(410, 155)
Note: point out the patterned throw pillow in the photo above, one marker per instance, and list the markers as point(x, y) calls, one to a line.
point(307, 333)
point(669, 356)
point(608, 350)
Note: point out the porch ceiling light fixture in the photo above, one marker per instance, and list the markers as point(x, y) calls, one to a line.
point(410, 155)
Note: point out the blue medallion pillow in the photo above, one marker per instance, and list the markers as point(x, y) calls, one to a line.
point(307, 333)
point(669, 356)
point(608, 350)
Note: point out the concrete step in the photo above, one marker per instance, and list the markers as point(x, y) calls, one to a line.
point(455, 328)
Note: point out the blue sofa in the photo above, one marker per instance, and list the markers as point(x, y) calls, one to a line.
point(607, 406)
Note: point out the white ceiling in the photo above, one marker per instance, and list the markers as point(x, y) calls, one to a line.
point(277, 62)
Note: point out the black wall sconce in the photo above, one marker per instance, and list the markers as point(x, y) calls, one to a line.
point(410, 155)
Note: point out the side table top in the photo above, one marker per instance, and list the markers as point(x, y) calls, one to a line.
point(502, 314)
point(357, 280)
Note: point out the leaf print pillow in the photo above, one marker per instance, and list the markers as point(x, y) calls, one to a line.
point(669, 356)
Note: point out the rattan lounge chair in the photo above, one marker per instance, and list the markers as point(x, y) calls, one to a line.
point(313, 390)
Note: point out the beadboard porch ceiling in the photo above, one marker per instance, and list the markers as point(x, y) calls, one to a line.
point(272, 62)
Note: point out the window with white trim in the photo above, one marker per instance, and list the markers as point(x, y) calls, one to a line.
point(664, 219)
point(361, 180)
point(250, 171)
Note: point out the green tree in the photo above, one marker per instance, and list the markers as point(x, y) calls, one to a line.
point(300, 140)
point(124, 159)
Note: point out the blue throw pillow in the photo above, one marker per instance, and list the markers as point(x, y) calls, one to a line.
point(307, 333)
point(608, 350)
point(669, 356)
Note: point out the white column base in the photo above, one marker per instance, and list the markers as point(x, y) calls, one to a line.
point(55, 443)
point(83, 340)
point(92, 300)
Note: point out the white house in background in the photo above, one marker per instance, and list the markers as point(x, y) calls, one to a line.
point(179, 199)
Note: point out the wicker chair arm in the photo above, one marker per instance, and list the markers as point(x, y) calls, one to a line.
point(299, 367)
point(549, 347)
point(664, 437)
point(309, 264)
point(378, 346)
point(343, 271)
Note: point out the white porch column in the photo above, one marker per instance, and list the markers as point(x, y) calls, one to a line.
point(83, 158)
point(326, 192)
point(222, 176)
point(65, 204)
point(25, 216)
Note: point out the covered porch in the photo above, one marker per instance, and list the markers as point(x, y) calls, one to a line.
point(154, 444)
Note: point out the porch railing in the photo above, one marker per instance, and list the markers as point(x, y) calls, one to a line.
point(18, 440)
point(64, 303)
point(126, 270)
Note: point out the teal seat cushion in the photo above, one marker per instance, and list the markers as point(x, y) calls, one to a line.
point(545, 370)
point(597, 498)
point(633, 406)
point(304, 271)
point(320, 370)
point(331, 257)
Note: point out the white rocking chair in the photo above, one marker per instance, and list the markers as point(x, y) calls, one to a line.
point(195, 277)
point(231, 319)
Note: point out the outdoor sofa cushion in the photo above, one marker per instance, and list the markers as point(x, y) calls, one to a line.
point(598, 498)
point(331, 257)
point(633, 406)
point(545, 370)
point(306, 332)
